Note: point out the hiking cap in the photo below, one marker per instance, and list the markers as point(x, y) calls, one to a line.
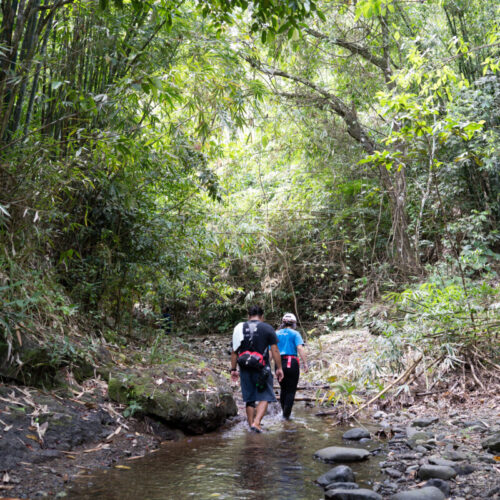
point(289, 318)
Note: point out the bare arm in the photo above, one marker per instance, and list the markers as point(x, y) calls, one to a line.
point(277, 360)
point(303, 357)
point(234, 371)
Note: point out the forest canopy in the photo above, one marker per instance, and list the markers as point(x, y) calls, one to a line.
point(195, 156)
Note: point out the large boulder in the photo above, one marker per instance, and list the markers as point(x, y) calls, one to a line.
point(193, 403)
point(341, 454)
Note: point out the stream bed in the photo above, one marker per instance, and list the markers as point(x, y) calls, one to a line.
point(234, 463)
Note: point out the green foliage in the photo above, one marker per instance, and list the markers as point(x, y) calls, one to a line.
point(342, 392)
point(448, 323)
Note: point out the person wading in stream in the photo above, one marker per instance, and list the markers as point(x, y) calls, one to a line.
point(252, 341)
point(290, 344)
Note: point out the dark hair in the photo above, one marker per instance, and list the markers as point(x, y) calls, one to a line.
point(255, 311)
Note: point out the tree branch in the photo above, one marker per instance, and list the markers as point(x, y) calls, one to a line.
point(352, 47)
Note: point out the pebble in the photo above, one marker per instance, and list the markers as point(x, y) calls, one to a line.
point(393, 472)
point(356, 434)
point(427, 493)
point(340, 454)
point(341, 473)
point(456, 456)
point(492, 442)
point(425, 422)
point(441, 484)
point(439, 471)
point(361, 494)
point(342, 486)
point(441, 461)
point(465, 469)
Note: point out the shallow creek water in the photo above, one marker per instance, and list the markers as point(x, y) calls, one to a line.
point(233, 463)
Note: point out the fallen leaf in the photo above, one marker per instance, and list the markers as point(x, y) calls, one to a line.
point(42, 429)
point(5, 487)
point(200, 466)
point(122, 467)
point(18, 334)
point(6, 478)
point(31, 436)
point(496, 458)
point(114, 433)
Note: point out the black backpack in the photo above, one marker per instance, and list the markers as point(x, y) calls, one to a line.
point(248, 357)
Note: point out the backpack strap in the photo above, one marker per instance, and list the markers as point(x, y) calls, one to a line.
point(249, 330)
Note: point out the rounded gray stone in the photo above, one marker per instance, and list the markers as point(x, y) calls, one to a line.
point(439, 471)
point(415, 434)
point(441, 461)
point(454, 455)
point(341, 473)
point(424, 422)
point(361, 494)
point(342, 486)
point(444, 486)
point(356, 433)
point(427, 493)
point(492, 442)
point(341, 454)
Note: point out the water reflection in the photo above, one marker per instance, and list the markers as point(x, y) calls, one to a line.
point(235, 464)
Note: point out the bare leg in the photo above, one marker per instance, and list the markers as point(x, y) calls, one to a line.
point(259, 414)
point(250, 415)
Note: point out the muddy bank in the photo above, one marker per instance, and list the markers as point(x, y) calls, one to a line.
point(49, 437)
point(47, 440)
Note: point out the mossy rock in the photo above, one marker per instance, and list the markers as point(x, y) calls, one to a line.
point(192, 406)
point(39, 365)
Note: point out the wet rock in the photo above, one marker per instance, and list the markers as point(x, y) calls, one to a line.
point(424, 422)
point(340, 454)
point(379, 415)
point(427, 493)
point(342, 486)
point(393, 472)
point(444, 486)
point(437, 471)
point(441, 461)
point(341, 473)
point(356, 434)
point(492, 442)
point(361, 494)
